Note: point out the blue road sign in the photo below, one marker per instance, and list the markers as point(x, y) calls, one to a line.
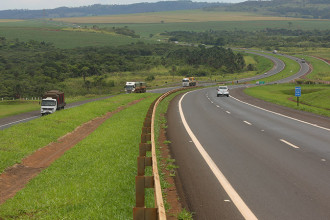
point(298, 91)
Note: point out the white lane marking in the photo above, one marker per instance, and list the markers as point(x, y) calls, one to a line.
point(328, 129)
point(218, 106)
point(323, 160)
point(246, 122)
point(211, 102)
point(18, 121)
point(288, 143)
point(237, 200)
point(228, 112)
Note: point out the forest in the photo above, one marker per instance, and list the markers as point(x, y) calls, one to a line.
point(268, 38)
point(30, 68)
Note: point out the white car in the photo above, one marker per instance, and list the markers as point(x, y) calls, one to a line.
point(222, 90)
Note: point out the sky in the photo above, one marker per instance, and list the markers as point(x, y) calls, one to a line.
point(50, 4)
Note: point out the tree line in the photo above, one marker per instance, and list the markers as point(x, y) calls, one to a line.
point(30, 68)
point(267, 38)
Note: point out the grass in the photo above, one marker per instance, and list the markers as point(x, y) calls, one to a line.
point(93, 180)
point(15, 107)
point(160, 122)
point(8, 108)
point(291, 68)
point(314, 98)
point(21, 140)
point(61, 38)
point(181, 16)
point(58, 31)
point(321, 70)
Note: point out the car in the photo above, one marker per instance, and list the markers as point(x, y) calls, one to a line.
point(222, 91)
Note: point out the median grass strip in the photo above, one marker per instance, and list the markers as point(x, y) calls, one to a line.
point(93, 180)
point(291, 68)
point(21, 140)
point(314, 98)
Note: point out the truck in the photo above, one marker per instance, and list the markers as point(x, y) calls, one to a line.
point(135, 87)
point(51, 101)
point(189, 81)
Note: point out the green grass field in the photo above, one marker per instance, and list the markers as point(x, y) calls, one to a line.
point(23, 139)
point(145, 24)
point(314, 98)
point(93, 180)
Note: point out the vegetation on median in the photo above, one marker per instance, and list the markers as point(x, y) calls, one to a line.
point(167, 163)
point(314, 98)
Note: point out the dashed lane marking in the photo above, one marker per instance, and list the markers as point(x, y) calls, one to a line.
point(328, 129)
point(288, 143)
point(246, 122)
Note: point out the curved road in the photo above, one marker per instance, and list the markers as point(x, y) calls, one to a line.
point(16, 119)
point(237, 160)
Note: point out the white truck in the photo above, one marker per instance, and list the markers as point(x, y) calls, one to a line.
point(135, 87)
point(51, 101)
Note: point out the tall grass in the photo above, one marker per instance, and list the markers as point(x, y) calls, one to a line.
point(93, 180)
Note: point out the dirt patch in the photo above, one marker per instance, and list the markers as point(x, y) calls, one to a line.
point(171, 194)
point(16, 177)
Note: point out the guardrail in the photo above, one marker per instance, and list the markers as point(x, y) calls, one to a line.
point(140, 212)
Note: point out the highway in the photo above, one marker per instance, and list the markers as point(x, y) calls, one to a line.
point(278, 66)
point(277, 166)
point(28, 116)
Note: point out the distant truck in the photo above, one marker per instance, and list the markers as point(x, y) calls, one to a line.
point(51, 101)
point(135, 87)
point(190, 81)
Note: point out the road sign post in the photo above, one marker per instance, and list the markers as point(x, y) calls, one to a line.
point(298, 93)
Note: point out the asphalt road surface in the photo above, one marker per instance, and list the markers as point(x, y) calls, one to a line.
point(240, 161)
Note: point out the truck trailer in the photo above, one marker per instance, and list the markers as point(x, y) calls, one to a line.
point(51, 101)
point(135, 87)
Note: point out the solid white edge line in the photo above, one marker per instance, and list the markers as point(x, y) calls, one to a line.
point(288, 143)
point(327, 129)
point(237, 200)
point(18, 121)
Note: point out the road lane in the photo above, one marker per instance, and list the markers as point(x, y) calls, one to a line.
point(276, 180)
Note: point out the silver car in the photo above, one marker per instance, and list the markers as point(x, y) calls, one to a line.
point(222, 91)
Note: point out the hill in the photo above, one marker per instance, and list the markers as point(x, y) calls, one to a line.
point(98, 9)
point(317, 9)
